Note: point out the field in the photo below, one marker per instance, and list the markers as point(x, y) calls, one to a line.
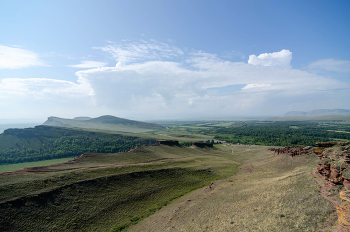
point(12, 167)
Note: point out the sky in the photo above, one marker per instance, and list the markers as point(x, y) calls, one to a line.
point(174, 59)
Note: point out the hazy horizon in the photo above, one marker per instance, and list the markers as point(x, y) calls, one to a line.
point(157, 60)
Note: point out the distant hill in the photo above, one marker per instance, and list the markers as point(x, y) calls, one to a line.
point(82, 118)
point(318, 112)
point(106, 122)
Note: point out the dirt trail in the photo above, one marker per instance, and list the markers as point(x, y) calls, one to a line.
point(324, 191)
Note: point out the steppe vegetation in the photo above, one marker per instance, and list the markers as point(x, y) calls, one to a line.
point(269, 193)
point(168, 188)
point(105, 191)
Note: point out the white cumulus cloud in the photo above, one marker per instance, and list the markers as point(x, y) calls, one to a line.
point(148, 81)
point(180, 88)
point(16, 58)
point(282, 59)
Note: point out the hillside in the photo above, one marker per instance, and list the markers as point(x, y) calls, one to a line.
point(98, 192)
point(101, 192)
point(47, 142)
point(106, 122)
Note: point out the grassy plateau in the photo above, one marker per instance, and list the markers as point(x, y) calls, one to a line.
point(237, 188)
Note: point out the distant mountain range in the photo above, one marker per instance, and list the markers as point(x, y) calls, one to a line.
point(318, 112)
point(106, 122)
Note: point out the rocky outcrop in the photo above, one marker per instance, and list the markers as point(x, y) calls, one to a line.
point(331, 144)
point(293, 150)
point(344, 216)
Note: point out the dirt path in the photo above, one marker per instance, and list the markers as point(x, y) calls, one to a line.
point(324, 191)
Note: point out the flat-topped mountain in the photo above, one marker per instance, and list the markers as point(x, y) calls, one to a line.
point(318, 112)
point(82, 118)
point(106, 122)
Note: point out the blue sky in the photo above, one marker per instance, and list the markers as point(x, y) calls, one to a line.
point(172, 59)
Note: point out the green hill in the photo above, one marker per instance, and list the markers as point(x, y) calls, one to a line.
point(47, 142)
point(106, 122)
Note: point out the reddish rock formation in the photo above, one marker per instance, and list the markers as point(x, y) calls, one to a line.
point(335, 175)
point(331, 144)
point(293, 150)
point(326, 144)
point(326, 171)
point(344, 216)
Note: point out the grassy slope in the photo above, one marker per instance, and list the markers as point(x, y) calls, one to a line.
point(105, 123)
point(102, 198)
point(270, 193)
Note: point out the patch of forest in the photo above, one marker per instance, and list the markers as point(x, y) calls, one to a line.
point(45, 142)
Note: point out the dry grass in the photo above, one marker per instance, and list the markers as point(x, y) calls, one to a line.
point(270, 193)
